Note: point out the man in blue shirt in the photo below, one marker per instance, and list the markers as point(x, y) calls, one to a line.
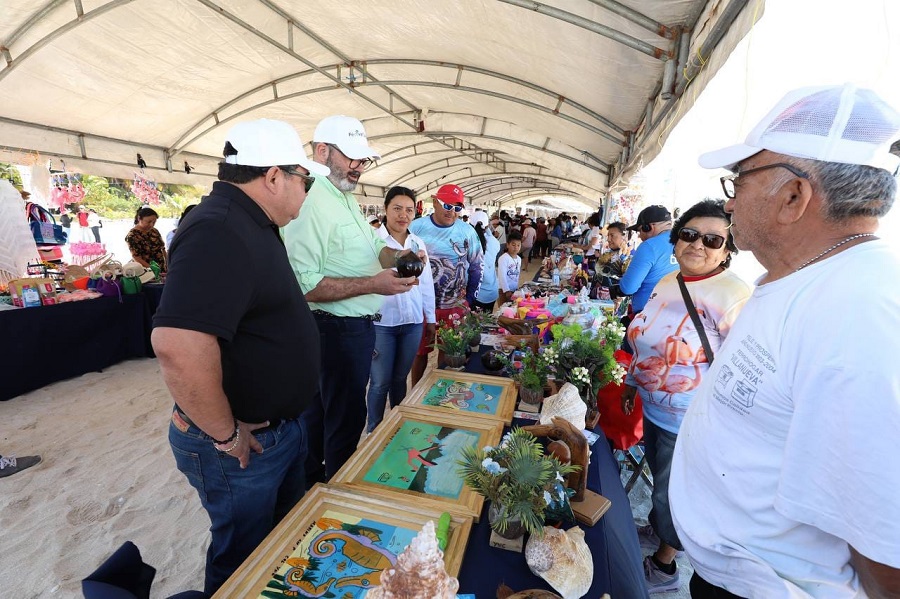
point(653, 259)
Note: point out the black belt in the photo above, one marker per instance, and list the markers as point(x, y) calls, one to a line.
point(273, 422)
point(373, 317)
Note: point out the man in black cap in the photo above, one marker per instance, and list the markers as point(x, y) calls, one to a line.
point(654, 258)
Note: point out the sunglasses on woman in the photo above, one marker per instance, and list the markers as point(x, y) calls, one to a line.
point(449, 207)
point(710, 240)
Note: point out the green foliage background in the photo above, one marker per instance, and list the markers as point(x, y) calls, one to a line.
point(112, 198)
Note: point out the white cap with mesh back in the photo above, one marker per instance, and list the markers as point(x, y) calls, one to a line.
point(267, 143)
point(833, 124)
point(348, 134)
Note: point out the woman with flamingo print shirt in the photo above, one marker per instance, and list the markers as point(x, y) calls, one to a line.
point(669, 360)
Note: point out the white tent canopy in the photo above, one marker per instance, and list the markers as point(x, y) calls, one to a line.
point(511, 99)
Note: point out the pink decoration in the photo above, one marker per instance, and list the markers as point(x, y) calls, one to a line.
point(145, 190)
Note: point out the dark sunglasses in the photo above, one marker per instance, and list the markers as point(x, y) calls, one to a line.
point(308, 180)
point(710, 240)
point(449, 207)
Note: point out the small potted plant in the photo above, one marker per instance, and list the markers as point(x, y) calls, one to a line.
point(530, 370)
point(586, 360)
point(452, 339)
point(518, 479)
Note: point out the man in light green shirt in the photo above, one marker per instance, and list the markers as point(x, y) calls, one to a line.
point(344, 269)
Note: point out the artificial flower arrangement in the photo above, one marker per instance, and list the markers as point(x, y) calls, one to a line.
point(586, 359)
point(453, 336)
point(518, 478)
point(528, 368)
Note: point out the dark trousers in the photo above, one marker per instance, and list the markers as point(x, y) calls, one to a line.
point(335, 423)
point(701, 589)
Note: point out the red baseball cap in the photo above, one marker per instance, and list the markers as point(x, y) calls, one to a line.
point(450, 193)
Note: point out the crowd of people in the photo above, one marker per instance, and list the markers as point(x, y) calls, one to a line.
point(754, 400)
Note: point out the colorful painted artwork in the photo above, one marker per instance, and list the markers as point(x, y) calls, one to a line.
point(421, 457)
point(479, 398)
point(340, 557)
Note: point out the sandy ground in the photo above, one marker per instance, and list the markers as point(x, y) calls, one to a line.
point(107, 477)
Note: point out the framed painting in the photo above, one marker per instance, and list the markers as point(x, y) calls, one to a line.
point(491, 397)
point(412, 455)
point(335, 543)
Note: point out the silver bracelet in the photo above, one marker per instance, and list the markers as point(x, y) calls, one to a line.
point(237, 439)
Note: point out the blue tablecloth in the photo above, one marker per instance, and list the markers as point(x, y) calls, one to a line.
point(613, 540)
point(52, 343)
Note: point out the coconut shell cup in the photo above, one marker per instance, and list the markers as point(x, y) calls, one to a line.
point(409, 265)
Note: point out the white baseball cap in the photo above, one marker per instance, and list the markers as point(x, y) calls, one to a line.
point(348, 134)
point(266, 143)
point(479, 216)
point(832, 124)
point(373, 218)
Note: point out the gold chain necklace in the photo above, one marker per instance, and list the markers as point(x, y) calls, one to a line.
point(834, 247)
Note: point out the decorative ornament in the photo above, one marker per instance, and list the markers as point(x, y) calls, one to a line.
point(563, 559)
point(566, 404)
point(419, 573)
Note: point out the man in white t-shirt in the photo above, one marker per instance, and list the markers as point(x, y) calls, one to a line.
point(783, 482)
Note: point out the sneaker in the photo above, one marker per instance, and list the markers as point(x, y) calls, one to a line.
point(657, 580)
point(649, 541)
point(13, 465)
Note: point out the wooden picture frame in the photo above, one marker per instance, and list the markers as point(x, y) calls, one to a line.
point(479, 395)
point(411, 458)
point(307, 549)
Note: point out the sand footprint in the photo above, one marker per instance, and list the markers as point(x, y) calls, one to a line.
point(92, 511)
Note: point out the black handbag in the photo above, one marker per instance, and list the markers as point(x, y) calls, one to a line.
point(43, 225)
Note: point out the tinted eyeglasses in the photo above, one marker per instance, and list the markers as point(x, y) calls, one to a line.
point(354, 162)
point(710, 240)
point(308, 180)
point(449, 207)
point(730, 181)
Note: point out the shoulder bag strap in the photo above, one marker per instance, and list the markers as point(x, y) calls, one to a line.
point(695, 318)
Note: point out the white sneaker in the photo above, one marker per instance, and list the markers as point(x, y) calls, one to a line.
point(649, 540)
point(657, 580)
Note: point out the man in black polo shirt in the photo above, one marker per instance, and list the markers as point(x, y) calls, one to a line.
point(230, 326)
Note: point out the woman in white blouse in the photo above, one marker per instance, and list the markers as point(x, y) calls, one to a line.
point(399, 332)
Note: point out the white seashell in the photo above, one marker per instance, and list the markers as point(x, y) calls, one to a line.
point(419, 573)
point(563, 559)
point(567, 404)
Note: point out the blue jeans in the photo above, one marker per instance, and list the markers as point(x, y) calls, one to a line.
point(243, 505)
point(395, 349)
point(659, 445)
point(336, 421)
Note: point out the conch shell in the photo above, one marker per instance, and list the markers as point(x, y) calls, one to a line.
point(563, 559)
point(419, 573)
point(567, 404)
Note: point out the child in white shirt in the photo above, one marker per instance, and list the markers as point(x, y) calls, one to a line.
point(509, 266)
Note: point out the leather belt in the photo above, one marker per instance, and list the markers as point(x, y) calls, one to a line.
point(273, 422)
point(373, 317)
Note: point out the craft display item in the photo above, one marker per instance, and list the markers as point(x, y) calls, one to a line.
point(563, 559)
point(478, 395)
point(337, 543)
point(32, 292)
point(43, 225)
point(414, 454)
point(517, 477)
point(419, 572)
point(566, 404)
point(409, 265)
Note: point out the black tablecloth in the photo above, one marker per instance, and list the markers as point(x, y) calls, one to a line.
point(613, 540)
point(52, 343)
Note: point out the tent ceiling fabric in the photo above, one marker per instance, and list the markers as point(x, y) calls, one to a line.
point(504, 97)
